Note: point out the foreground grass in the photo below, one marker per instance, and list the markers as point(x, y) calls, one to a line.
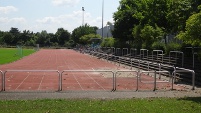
point(151, 105)
point(8, 55)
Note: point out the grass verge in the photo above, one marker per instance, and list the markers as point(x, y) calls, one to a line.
point(8, 55)
point(148, 105)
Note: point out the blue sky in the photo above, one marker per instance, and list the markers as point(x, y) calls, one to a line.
point(49, 15)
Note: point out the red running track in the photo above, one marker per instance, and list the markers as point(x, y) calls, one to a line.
point(65, 59)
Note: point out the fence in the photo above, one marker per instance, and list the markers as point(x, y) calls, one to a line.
point(182, 70)
point(4, 76)
point(1, 72)
point(176, 56)
point(114, 76)
point(109, 71)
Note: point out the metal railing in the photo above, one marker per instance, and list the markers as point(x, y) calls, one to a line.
point(142, 53)
point(4, 75)
point(157, 55)
point(124, 51)
point(115, 83)
point(2, 80)
point(194, 59)
point(183, 70)
point(133, 53)
point(118, 52)
point(177, 52)
point(109, 71)
point(155, 81)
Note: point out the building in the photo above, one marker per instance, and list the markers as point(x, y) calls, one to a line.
point(107, 31)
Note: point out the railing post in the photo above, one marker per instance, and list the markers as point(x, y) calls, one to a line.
point(2, 80)
point(193, 80)
point(159, 70)
point(154, 81)
point(138, 77)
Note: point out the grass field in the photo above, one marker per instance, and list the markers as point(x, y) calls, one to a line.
point(149, 105)
point(8, 55)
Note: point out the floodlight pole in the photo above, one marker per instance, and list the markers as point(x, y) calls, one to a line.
point(102, 16)
point(83, 16)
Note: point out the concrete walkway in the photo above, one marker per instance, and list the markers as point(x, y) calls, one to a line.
point(97, 95)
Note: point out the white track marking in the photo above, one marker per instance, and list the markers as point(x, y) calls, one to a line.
point(39, 87)
point(89, 76)
point(22, 82)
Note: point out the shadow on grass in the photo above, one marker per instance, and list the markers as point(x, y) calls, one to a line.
point(194, 99)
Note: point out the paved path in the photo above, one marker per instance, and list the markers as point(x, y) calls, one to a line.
point(97, 95)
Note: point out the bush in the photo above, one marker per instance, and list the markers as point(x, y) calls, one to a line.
point(172, 47)
point(108, 42)
point(158, 46)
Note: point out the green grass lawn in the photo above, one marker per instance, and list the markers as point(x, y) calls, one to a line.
point(8, 55)
point(150, 105)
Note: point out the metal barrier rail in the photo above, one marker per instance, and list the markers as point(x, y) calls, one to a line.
point(2, 80)
point(142, 54)
point(157, 54)
point(4, 75)
point(142, 72)
point(134, 51)
point(118, 52)
point(183, 70)
point(176, 56)
point(89, 71)
point(194, 59)
point(124, 50)
point(115, 84)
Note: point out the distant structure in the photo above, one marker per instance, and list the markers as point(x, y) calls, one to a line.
point(107, 31)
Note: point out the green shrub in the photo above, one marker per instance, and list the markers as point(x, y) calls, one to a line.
point(158, 46)
point(172, 47)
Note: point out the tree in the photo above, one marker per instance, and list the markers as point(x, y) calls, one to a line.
point(192, 33)
point(86, 39)
point(15, 35)
point(81, 31)
point(178, 12)
point(62, 36)
point(124, 21)
point(8, 38)
point(150, 34)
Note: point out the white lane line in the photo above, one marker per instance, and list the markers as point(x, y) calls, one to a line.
point(39, 87)
point(95, 81)
point(73, 73)
point(22, 81)
point(78, 81)
point(90, 76)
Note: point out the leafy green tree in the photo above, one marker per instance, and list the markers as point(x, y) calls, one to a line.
point(124, 21)
point(192, 33)
point(86, 39)
point(15, 36)
point(62, 36)
point(178, 12)
point(108, 42)
point(8, 38)
point(25, 37)
point(150, 34)
point(80, 31)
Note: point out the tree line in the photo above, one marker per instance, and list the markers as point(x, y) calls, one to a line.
point(62, 37)
point(144, 23)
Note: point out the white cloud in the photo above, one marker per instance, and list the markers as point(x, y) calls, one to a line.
point(65, 2)
point(67, 21)
point(12, 20)
point(6, 23)
point(7, 9)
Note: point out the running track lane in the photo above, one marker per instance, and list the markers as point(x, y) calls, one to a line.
point(64, 59)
